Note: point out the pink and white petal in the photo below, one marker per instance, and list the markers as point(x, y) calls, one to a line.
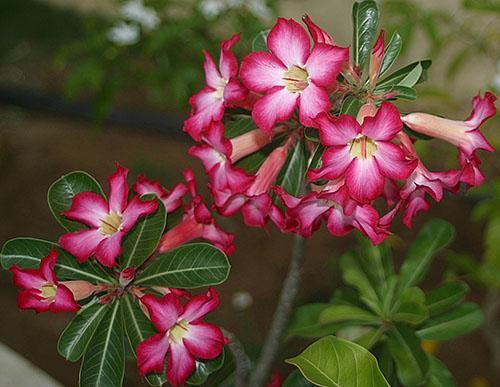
point(385, 125)
point(47, 265)
point(204, 341)
point(313, 100)
point(274, 107)
point(180, 364)
point(151, 354)
point(289, 42)
point(366, 220)
point(255, 211)
point(201, 304)
point(64, 301)
point(317, 33)
point(88, 208)
point(200, 121)
point(118, 189)
point(261, 71)
point(27, 278)
point(212, 75)
point(109, 249)
point(325, 63)
point(309, 215)
point(415, 204)
point(227, 63)
point(231, 205)
point(482, 109)
point(136, 209)
point(28, 299)
point(218, 237)
point(364, 180)
point(145, 186)
point(391, 161)
point(208, 156)
point(338, 224)
point(174, 198)
point(336, 159)
point(234, 91)
point(336, 131)
point(82, 244)
point(471, 174)
point(164, 311)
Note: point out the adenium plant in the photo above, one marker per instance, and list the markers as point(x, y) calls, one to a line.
point(301, 131)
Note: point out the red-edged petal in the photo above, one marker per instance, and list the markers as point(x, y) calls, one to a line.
point(88, 208)
point(261, 71)
point(234, 91)
point(201, 304)
point(212, 75)
point(364, 180)
point(227, 62)
point(289, 42)
point(336, 131)
point(256, 210)
point(325, 62)
point(135, 210)
point(203, 340)
point(151, 354)
point(482, 109)
point(82, 244)
point(180, 364)
point(209, 107)
point(218, 237)
point(164, 311)
point(274, 107)
point(313, 100)
point(335, 160)
point(47, 265)
point(118, 189)
point(318, 34)
point(385, 125)
point(27, 278)
point(109, 249)
point(64, 301)
point(391, 161)
point(29, 299)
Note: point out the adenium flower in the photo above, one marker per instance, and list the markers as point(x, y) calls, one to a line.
point(222, 90)
point(41, 291)
point(376, 59)
point(108, 222)
point(196, 223)
point(364, 154)
point(291, 75)
point(171, 199)
point(183, 336)
point(465, 135)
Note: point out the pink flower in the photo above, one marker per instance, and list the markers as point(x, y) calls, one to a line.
point(171, 199)
point(196, 223)
point(183, 336)
point(108, 221)
point(222, 90)
point(465, 135)
point(291, 75)
point(41, 291)
point(318, 34)
point(376, 59)
point(363, 154)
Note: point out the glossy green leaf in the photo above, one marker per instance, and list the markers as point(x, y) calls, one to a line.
point(76, 336)
point(411, 307)
point(370, 338)
point(336, 362)
point(351, 106)
point(342, 313)
point(260, 41)
point(143, 239)
point(204, 369)
point(295, 379)
point(238, 124)
point(434, 236)
point(365, 17)
point(406, 76)
point(189, 266)
point(455, 323)
point(439, 375)
point(446, 296)
point(398, 92)
point(292, 175)
point(391, 53)
point(27, 253)
point(412, 365)
point(104, 360)
point(62, 191)
point(305, 322)
point(138, 328)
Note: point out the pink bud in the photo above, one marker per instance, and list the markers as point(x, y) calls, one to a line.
point(127, 276)
point(376, 59)
point(367, 110)
point(82, 289)
point(251, 142)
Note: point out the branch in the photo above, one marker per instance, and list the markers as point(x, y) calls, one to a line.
point(241, 359)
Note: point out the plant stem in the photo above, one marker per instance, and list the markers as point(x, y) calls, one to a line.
point(241, 359)
point(281, 315)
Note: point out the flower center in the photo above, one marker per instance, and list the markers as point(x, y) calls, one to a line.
point(296, 79)
point(49, 291)
point(362, 147)
point(111, 223)
point(219, 90)
point(178, 331)
point(328, 203)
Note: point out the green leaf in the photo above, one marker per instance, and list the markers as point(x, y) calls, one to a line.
point(336, 362)
point(406, 76)
point(441, 299)
point(411, 308)
point(104, 360)
point(400, 92)
point(204, 369)
point(189, 266)
point(138, 328)
point(439, 375)
point(412, 365)
point(27, 253)
point(351, 106)
point(76, 336)
point(62, 191)
point(391, 53)
point(305, 322)
point(143, 239)
point(342, 313)
point(365, 25)
point(433, 237)
point(455, 323)
point(370, 338)
point(292, 175)
point(260, 41)
point(295, 379)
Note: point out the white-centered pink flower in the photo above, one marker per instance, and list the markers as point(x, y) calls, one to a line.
point(222, 89)
point(291, 75)
point(183, 336)
point(363, 154)
point(108, 221)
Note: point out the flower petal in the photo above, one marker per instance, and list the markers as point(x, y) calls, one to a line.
point(118, 189)
point(200, 305)
point(336, 131)
point(151, 354)
point(28, 299)
point(227, 62)
point(109, 249)
point(47, 265)
point(385, 125)
point(88, 208)
point(163, 312)
point(135, 210)
point(180, 364)
point(64, 301)
point(289, 42)
point(391, 161)
point(274, 107)
point(364, 180)
point(27, 278)
point(313, 100)
point(261, 71)
point(335, 160)
point(325, 62)
point(212, 75)
point(204, 341)
point(82, 244)
point(317, 33)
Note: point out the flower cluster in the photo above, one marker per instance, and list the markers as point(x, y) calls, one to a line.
point(356, 165)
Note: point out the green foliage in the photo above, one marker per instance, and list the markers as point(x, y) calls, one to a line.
point(365, 19)
point(389, 314)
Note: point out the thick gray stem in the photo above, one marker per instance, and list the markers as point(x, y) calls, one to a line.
point(281, 315)
point(241, 359)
